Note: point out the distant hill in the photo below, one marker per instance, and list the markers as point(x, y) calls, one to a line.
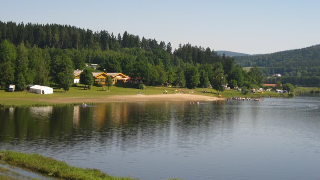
point(297, 62)
point(231, 54)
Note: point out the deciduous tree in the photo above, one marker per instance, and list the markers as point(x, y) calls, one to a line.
point(192, 77)
point(86, 77)
point(219, 79)
point(289, 87)
point(109, 82)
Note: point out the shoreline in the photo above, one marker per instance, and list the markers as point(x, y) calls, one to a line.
point(137, 98)
point(112, 98)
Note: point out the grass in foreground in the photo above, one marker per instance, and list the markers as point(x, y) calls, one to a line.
point(53, 167)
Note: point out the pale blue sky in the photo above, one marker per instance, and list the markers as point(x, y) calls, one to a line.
point(260, 26)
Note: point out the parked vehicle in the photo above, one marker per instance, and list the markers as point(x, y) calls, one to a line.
point(12, 88)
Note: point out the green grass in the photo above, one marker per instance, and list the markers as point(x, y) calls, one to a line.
point(21, 98)
point(302, 90)
point(12, 99)
point(235, 93)
point(53, 167)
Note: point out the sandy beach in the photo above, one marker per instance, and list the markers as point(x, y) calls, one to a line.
point(134, 98)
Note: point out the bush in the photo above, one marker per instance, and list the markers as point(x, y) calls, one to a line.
point(98, 85)
point(142, 86)
point(74, 85)
point(289, 87)
point(244, 90)
point(291, 94)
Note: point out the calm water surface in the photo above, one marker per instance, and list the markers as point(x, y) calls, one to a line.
point(272, 139)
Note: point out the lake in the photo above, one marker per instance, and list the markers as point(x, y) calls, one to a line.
point(271, 139)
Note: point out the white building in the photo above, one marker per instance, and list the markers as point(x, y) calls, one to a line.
point(41, 89)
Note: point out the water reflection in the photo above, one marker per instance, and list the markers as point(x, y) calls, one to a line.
point(189, 140)
point(146, 123)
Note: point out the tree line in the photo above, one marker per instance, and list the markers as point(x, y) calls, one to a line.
point(295, 66)
point(48, 54)
point(308, 81)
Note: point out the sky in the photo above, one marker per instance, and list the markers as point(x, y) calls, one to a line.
point(246, 26)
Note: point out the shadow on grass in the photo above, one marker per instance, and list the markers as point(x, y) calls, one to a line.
point(127, 85)
point(59, 91)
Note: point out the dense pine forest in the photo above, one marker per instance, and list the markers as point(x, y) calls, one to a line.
point(299, 66)
point(48, 54)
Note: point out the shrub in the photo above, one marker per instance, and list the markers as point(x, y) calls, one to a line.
point(142, 86)
point(98, 85)
point(291, 94)
point(244, 90)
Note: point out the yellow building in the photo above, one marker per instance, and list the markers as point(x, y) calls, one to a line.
point(101, 77)
point(118, 77)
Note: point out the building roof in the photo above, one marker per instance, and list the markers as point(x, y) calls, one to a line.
point(40, 87)
point(118, 75)
point(270, 85)
point(77, 72)
point(113, 74)
point(97, 73)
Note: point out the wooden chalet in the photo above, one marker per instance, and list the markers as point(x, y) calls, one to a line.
point(118, 77)
point(101, 77)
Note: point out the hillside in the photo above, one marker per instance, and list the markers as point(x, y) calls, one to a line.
point(297, 62)
point(231, 54)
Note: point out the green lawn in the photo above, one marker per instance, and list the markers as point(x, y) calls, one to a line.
point(21, 98)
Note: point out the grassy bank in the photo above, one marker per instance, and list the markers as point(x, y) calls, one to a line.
point(53, 167)
point(12, 99)
point(302, 90)
point(235, 93)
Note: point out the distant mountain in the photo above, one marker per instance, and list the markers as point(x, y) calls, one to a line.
point(297, 62)
point(231, 54)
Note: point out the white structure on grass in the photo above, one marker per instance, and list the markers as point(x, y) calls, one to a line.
point(41, 89)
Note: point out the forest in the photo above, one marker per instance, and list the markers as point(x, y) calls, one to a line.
point(48, 54)
point(298, 66)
